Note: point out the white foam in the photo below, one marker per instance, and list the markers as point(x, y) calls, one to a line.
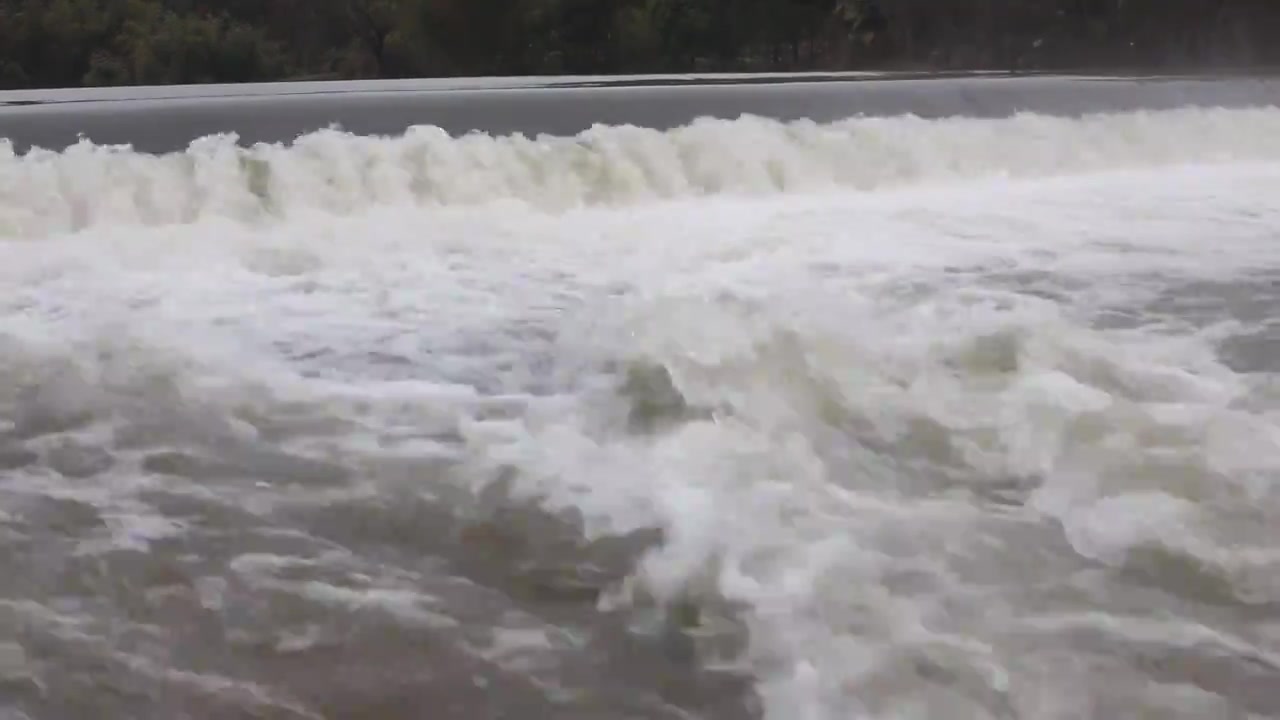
point(906, 417)
point(43, 192)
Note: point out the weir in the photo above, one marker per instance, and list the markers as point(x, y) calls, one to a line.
point(164, 119)
point(737, 420)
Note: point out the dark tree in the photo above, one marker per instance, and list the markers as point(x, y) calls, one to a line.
point(110, 42)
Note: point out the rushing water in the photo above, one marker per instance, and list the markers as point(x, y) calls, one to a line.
point(881, 419)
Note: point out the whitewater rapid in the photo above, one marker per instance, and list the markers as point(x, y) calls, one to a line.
point(884, 418)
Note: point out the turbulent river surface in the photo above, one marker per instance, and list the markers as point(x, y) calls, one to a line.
point(881, 419)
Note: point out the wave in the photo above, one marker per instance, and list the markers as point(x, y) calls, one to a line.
point(45, 192)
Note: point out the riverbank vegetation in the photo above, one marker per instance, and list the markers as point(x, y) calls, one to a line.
point(60, 43)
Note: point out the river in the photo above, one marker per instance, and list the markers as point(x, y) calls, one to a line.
point(875, 418)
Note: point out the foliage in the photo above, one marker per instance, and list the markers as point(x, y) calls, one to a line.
point(111, 42)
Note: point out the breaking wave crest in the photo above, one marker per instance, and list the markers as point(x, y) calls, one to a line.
point(86, 185)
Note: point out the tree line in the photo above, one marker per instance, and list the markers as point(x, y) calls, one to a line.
point(63, 43)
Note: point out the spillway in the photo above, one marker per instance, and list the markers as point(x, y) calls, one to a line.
point(962, 407)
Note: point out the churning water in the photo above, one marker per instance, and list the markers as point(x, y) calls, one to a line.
point(888, 418)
